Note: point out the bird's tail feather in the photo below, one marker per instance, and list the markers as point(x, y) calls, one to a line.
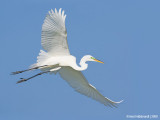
point(42, 57)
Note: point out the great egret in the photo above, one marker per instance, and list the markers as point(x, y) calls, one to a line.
point(58, 58)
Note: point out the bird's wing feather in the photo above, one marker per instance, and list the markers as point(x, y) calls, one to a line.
point(54, 34)
point(77, 80)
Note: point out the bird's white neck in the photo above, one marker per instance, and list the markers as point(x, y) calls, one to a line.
point(83, 65)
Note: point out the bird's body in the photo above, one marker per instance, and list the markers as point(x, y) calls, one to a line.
point(58, 59)
point(46, 59)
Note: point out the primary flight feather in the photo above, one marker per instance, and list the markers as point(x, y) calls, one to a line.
point(58, 58)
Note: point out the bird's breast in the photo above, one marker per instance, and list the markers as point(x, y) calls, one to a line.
point(67, 61)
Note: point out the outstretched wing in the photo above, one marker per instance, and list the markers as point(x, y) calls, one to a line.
point(54, 34)
point(77, 80)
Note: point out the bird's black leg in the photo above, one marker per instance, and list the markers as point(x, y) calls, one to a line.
point(23, 80)
point(17, 72)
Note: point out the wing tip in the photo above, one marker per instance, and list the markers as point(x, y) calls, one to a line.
point(119, 101)
point(113, 103)
point(60, 13)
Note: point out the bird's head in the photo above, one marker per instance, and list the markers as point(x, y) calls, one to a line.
point(91, 58)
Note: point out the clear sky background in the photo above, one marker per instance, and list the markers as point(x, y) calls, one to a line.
point(125, 34)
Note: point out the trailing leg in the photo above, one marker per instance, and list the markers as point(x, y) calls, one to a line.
point(17, 72)
point(23, 80)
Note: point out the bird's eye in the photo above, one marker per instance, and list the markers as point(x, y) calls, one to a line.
point(92, 57)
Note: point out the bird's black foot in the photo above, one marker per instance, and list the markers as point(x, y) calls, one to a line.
point(22, 80)
point(17, 72)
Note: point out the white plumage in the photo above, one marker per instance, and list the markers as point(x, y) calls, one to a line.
point(54, 34)
point(77, 81)
point(58, 58)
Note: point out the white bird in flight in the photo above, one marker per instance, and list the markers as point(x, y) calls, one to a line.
point(58, 59)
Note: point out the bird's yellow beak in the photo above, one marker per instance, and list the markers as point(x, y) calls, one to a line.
point(98, 61)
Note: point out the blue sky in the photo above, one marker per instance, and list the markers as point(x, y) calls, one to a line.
point(124, 34)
